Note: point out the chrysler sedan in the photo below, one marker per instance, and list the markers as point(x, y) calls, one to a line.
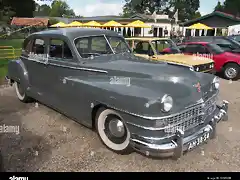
point(91, 76)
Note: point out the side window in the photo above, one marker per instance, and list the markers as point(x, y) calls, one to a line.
point(142, 48)
point(92, 46)
point(38, 46)
point(27, 46)
point(202, 49)
point(59, 49)
point(182, 48)
point(99, 45)
point(191, 48)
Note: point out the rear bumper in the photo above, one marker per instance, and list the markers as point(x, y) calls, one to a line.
point(181, 144)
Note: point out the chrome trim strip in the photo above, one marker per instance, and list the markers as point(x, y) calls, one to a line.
point(65, 66)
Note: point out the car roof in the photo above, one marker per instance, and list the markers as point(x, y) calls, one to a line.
point(146, 38)
point(73, 33)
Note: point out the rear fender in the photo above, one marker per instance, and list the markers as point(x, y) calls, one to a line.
point(18, 72)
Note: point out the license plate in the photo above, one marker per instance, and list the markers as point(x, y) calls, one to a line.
point(198, 141)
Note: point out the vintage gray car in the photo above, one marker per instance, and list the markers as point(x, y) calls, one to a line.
point(91, 76)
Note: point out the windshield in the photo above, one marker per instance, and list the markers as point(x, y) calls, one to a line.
point(215, 48)
point(235, 42)
point(99, 45)
point(118, 44)
point(165, 46)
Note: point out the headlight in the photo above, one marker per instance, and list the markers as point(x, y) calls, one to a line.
point(216, 82)
point(197, 69)
point(167, 103)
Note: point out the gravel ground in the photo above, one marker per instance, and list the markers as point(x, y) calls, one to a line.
point(48, 141)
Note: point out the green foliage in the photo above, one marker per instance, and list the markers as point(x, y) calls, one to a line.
point(60, 8)
point(186, 9)
point(10, 8)
point(53, 21)
point(229, 6)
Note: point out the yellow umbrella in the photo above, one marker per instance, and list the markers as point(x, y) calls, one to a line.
point(199, 26)
point(74, 24)
point(60, 24)
point(92, 24)
point(112, 24)
point(138, 24)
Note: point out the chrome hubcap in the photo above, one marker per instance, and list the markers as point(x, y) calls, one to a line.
point(116, 128)
point(231, 72)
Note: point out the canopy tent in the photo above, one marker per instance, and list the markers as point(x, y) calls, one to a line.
point(199, 26)
point(138, 24)
point(112, 24)
point(74, 24)
point(92, 24)
point(60, 24)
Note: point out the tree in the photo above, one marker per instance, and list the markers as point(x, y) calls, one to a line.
point(186, 8)
point(197, 15)
point(23, 8)
point(43, 10)
point(60, 8)
point(219, 7)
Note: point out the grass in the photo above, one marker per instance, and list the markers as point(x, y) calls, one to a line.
point(16, 44)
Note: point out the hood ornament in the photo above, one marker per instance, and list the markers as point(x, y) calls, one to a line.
point(198, 86)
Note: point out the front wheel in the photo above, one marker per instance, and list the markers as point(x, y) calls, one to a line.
point(112, 131)
point(21, 93)
point(231, 71)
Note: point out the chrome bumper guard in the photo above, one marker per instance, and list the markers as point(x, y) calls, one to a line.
point(176, 148)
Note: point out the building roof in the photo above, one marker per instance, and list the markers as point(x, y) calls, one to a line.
point(29, 21)
point(230, 19)
point(120, 19)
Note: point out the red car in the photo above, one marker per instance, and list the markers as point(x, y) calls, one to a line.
point(225, 62)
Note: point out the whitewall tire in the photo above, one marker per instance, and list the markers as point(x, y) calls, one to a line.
point(20, 92)
point(112, 131)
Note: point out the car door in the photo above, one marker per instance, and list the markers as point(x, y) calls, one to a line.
point(34, 57)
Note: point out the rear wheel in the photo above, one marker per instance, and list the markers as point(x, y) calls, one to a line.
point(21, 93)
point(112, 131)
point(231, 71)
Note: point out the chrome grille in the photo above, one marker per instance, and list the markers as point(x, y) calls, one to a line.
point(190, 118)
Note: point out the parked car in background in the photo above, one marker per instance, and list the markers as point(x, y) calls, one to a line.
point(228, 44)
point(225, 62)
point(164, 49)
point(235, 37)
point(91, 76)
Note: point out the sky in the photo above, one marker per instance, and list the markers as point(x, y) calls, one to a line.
point(114, 7)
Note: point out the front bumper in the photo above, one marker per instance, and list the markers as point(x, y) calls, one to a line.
point(176, 147)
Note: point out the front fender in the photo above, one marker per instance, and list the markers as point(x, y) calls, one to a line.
point(18, 72)
point(140, 97)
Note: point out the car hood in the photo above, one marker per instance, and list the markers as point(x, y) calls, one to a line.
point(189, 60)
point(151, 79)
